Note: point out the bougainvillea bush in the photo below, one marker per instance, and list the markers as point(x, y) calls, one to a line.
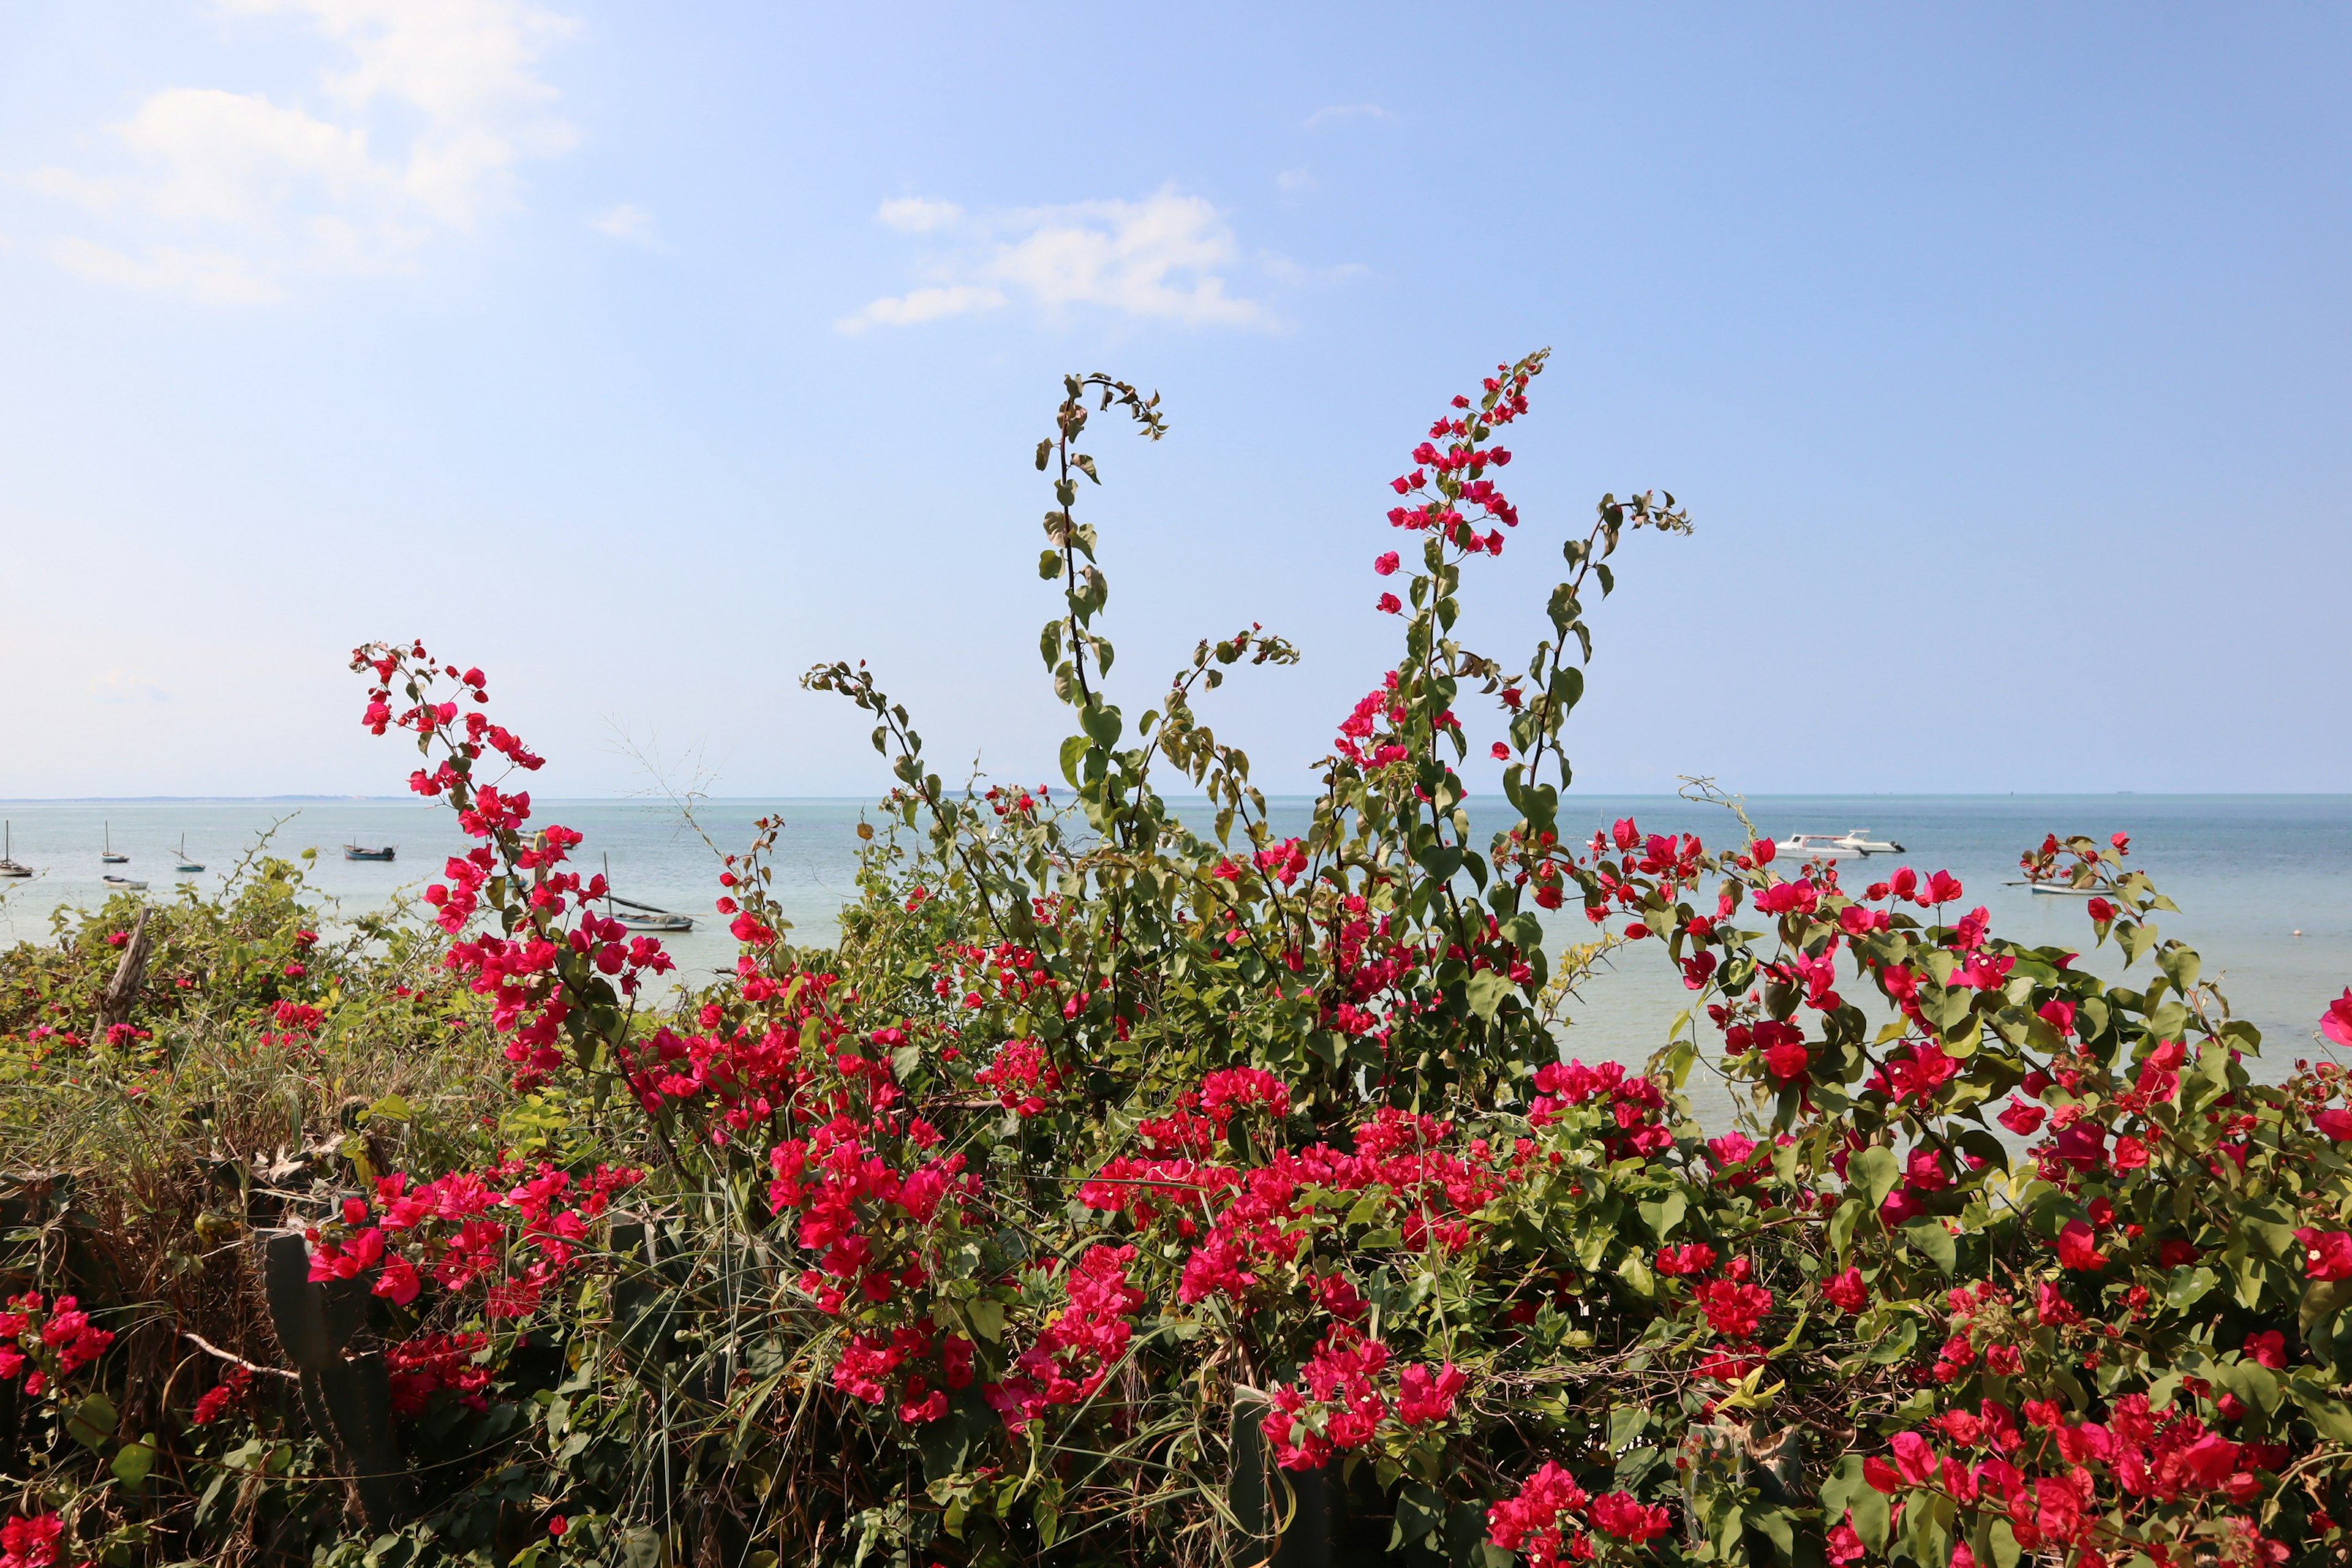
point(1138, 1187)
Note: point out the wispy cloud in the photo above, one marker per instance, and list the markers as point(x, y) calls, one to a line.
point(1161, 259)
point(1291, 181)
point(230, 197)
point(1333, 113)
point(116, 687)
point(913, 214)
point(625, 222)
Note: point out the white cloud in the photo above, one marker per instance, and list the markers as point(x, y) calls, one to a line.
point(230, 196)
point(925, 305)
point(1159, 258)
point(1330, 113)
point(116, 687)
point(625, 222)
point(913, 214)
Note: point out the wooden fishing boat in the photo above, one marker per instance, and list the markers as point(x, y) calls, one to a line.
point(123, 884)
point(642, 917)
point(359, 852)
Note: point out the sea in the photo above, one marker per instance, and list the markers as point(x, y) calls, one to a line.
point(2263, 882)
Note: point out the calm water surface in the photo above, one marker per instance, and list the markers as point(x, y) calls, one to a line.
point(2249, 872)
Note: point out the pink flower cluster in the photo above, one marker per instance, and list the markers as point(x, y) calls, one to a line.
point(1541, 1518)
point(423, 1366)
point(1337, 1404)
point(467, 1226)
point(1636, 1105)
point(2138, 1453)
point(31, 1540)
point(844, 1191)
point(47, 1341)
point(1081, 1346)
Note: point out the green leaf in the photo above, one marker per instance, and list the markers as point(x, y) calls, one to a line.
point(2322, 1300)
point(132, 1466)
point(1101, 724)
point(2187, 1287)
point(1487, 990)
point(92, 1422)
point(1930, 1236)
point(1074, 752)
point(2249, 1380)
point(1663, 1215)
point(2003, 1543)
point(1420, 1515)
point(2329, 1414)
point(1846, 1488)
point(1878, 1171)
point(391, 1108)
point(987, 1318)
point(1842, 1222)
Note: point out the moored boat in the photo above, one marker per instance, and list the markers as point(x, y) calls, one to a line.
point(359, 852)
point(107, 856)
point(185, 864)
point(1815, 846)
point(8, 864)
point(1861, 842)
point(635, 916)
point(123, 884)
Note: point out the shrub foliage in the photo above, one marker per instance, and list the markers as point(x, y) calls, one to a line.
point(1134, 1188)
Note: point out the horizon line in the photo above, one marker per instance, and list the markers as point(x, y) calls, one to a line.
point(1270, 795)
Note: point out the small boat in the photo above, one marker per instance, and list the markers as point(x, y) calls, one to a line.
point(1815, 846)
point(186, 864)
point(642, 916)
point(123, 884)
point(1861, 842)
point(2061, 890)
point(8, 865)
point(107, 856)
point(359, 852)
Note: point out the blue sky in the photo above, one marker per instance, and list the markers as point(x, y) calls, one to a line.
point(645, 354)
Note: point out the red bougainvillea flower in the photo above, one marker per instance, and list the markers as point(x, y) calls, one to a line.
point(1847, 1290)
point(2078, 1247)
point(2337, 1022)
point(2327, 1254)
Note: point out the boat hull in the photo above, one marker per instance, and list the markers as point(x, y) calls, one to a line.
point(351, 853)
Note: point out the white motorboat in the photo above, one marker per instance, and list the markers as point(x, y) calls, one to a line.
point(1815, 846)
point(2061, 890)
point(1860, 841)
point(124, 884)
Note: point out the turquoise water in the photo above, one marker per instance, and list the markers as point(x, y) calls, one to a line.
point(2248, 872)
